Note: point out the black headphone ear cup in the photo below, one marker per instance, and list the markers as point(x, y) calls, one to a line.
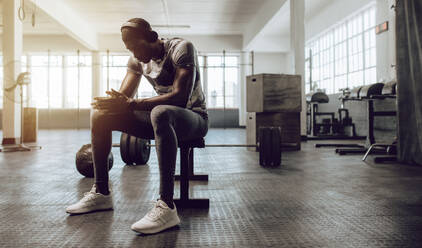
point(153, 36)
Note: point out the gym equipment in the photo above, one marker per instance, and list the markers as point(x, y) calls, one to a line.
point(23, 79)
point(84, 162)
point(137, 150)
point(369, 93)
point(390, 149)
point(348, 95)
point(329, 128)
point(134, 150)
point(270, 149)
point(389, 89)
point(124, 148)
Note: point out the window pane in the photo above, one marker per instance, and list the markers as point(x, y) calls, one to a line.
point(71, 99)
point(201, 75)
point(85, 87)
point(215, 87)
point(340, 83)
point(231, 82)
point(40, 87)
point(39, 60)
point(145, 89)
point(372, 17)
point(371, 76)
point(366, 20)
point(231, 61)
point(356, 79)
point(201, 60)
point(78, 81)
point(56, 87)
point(214, 61)
point(119, 60)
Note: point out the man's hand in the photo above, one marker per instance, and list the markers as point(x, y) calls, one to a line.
point(116, 102)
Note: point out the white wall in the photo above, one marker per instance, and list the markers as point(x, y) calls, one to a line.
point(203, 43)
point(386, 42)
point(43, 43)
point(270, 63)
point(64, 43)
point(332, 14)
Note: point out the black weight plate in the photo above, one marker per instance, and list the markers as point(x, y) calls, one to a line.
point(110, 160)
point(124, 148)
point(276, 146)
point(143, 151)
point(133, 149)
point(260, 148)
point(265, 146)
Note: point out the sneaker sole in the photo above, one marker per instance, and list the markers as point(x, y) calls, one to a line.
point(157, 230)
point(85, 210)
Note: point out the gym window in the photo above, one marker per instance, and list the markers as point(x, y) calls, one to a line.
point(55, 82)
point(344, 55)
point(220, 80)
point(114, 68)
point(219, 93)
point(65, 80)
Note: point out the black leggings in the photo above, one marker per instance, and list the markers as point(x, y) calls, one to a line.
point(166, 123)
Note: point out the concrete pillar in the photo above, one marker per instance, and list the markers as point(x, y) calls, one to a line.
point(297, 47)
point(29, 89)
point(245, 70)
point(12, 51)
point(96, 74)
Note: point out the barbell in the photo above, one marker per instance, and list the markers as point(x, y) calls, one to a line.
point(134, 150)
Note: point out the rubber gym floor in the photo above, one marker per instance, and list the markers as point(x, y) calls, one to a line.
point(315, 199)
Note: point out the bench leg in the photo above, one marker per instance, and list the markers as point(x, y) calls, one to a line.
point(184, 201)
point(192, 176)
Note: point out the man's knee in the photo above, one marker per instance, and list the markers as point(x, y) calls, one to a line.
point(99, 119)
point(161, 114)
point(97, 116)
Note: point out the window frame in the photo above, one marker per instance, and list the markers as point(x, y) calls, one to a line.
point(345, 33)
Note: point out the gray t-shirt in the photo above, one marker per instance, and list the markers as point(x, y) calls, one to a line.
point(160, 74)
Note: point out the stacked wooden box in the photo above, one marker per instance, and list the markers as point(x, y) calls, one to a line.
point(30, 125)
point(274, 100)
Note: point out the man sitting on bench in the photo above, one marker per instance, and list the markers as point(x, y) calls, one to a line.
point(178, 113)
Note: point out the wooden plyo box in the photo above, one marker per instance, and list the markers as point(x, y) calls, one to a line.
point(273, 93)
point(288, 121)
point(30, 125)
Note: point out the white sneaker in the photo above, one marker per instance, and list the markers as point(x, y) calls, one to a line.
point(159, 218)
point(92, 201)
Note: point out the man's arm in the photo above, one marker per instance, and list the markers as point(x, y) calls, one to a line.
point(130, 84)
point(182, 88)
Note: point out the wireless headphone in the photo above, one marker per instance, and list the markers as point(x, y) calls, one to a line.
point(150, 35)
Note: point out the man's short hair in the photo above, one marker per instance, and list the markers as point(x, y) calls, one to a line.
point(142, 29)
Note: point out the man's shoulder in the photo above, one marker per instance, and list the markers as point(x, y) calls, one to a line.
point(180, 44)
point(134, 65)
